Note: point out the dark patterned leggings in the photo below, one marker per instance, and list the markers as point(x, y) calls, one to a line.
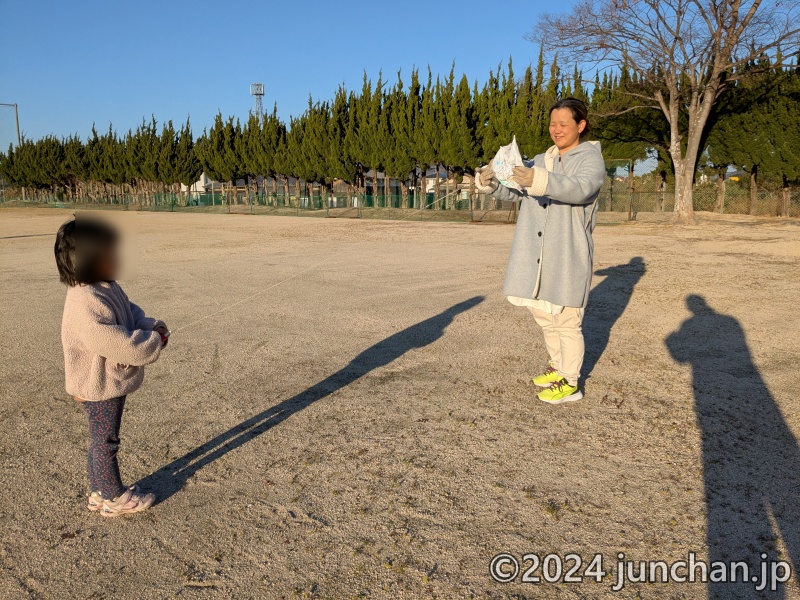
point(104, 421)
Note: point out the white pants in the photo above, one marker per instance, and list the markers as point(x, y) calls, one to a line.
point(563, 338)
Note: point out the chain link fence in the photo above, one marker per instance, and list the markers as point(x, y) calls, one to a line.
point(645, 188)
point(631, 190)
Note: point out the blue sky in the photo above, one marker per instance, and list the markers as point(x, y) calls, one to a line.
point(69, 64)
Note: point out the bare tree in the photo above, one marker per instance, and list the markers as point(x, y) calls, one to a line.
point(685, 52)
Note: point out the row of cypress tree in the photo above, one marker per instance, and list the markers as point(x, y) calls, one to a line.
point(147, 159)
point(403, 129)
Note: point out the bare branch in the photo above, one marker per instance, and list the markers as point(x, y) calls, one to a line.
point(616, 113)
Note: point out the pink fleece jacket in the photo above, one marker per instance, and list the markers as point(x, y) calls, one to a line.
point(107, 341)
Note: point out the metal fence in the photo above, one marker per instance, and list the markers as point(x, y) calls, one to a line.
point(455, 206)
point(635, 187)
point(631, 190)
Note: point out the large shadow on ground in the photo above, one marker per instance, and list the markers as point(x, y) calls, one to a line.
point(751, 459)
point(607, 301)
point(172, 477)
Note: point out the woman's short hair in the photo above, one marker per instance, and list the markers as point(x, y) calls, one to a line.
point(578, 110)
point(80, 245)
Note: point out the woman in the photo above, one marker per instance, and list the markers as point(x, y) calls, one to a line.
point(550, 267)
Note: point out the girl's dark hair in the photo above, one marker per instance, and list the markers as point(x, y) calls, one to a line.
point(578, 110)
point(80, 245)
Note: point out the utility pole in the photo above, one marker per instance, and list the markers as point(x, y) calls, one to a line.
point(16, 115)
point(19, 138)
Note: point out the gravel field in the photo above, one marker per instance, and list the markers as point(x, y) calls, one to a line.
point(344, 411)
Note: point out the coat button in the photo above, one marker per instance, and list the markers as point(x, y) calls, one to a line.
point(538, 260)
point(540, 234)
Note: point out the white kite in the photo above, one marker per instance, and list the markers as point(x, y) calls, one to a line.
point(504, 162)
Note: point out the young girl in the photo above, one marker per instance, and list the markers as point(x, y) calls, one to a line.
point(107, 341)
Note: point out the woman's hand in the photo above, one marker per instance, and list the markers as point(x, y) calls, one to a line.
point(523, 176)
point(485, 176)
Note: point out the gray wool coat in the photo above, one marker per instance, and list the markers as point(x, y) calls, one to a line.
point(552, 252)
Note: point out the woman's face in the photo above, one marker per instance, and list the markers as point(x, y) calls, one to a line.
point(564, 131)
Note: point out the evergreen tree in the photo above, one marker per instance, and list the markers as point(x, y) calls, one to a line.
point(339, 158)
point(425, 136)
point(167, 155)
point(498, 100)
point(9, 168)
point(626, 133)
point(757, 128)
point(218, 150)
point(74, 164)
point(399, 160)
point(315, 145)
point(460, 148)
point(186, 168)
point(372, 133)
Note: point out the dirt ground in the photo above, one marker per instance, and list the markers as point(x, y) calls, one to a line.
point(344, 411)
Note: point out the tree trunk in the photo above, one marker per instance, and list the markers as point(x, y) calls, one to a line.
point(387, 188)
point(754, 190)
point(685, 161)
point(720, 204)
point(472, 189)
point(684, 176)
point(436, 187)
point(423, 196)
point(684, 208)
point(446, 188)
point(414, 182)
point(786, 193)
point(631, 184)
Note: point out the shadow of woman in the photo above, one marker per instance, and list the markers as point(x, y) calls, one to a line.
point(172, 477)
point(607, 301)
point(751, 459)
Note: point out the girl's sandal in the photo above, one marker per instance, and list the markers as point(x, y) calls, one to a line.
point(95, 502)
point(129, 502)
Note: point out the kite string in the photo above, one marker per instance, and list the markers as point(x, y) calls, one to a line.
point(256, 294)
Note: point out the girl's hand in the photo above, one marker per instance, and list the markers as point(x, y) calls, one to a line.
point(523, 176)
point(164, 332)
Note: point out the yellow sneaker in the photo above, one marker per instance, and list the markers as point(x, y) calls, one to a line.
point(548, 378)
point(560, 391)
